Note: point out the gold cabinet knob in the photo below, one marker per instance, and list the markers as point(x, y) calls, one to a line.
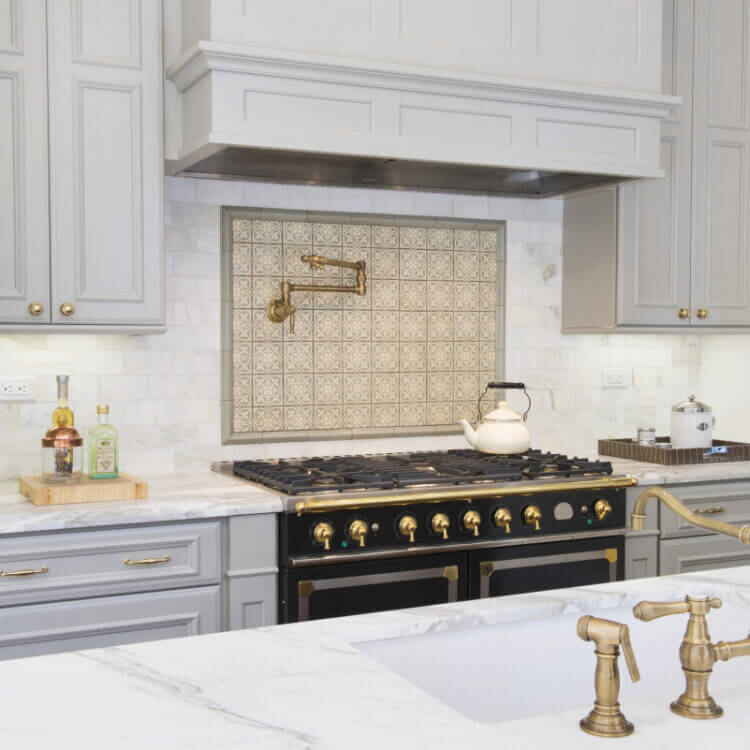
point(702, 313)
point(407, 526)
point(440, 523)
point(471, 521)
point(602, 508)
point(323, 533)
point(67, 309)
point(683, 313)
point(532, 516)
point(502, 517)
point(36, 308)
point(358, 531)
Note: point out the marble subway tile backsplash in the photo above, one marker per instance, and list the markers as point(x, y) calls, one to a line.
point(350, 354)
point(165, 390)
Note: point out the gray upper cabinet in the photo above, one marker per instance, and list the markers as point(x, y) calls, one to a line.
point(675, 251)
point(24, 223)
point(721, 162)
point(93, 255)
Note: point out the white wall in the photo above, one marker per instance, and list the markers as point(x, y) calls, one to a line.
point(725, 364)
point(164, 389)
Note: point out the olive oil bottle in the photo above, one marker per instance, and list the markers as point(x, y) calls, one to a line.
point(103, 447)
point(62, 416)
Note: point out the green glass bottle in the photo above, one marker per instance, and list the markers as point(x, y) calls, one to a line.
point(103, 447)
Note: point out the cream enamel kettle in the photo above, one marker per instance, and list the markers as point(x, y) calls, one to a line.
point(502, 430)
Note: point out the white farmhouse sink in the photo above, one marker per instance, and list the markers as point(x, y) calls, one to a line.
point(496, 673)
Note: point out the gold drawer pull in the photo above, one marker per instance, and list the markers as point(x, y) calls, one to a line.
point(6, 573)
point(707, 511)
point(147, 560)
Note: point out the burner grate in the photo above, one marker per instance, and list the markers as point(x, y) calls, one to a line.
point(403, 470)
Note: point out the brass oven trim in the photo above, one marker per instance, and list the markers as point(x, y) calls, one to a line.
point(488, 567)
point(306, 588)
point(321, 505)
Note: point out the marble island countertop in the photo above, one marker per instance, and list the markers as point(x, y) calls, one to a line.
point(310, 685)
point(171, 497)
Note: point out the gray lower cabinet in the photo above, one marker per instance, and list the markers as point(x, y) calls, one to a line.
point(251, 574)
point(642, 555)
point(691, 554)
point(53, 627)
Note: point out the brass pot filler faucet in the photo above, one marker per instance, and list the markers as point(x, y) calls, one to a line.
point(697, 653)
point(281, 308)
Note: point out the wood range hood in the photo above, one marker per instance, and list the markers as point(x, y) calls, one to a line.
point(256, 113)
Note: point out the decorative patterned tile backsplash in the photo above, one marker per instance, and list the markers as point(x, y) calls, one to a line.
point(411, 355)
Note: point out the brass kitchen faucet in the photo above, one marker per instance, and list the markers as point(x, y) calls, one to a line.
point(281, 308)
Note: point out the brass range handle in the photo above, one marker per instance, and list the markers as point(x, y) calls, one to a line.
point(683, 313)
point(67, 309)
point(323, 533)
point(27, 572)
point(602, 508)
point(358, 531)
point(708, 511)
point(472, 521)
point(407, 527)
point(439, 524)
point(36, 308)
point(702, 313)
point(502, 518)
point(147, 560)
point(532, 516)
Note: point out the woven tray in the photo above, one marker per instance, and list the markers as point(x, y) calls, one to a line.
point(723, 450)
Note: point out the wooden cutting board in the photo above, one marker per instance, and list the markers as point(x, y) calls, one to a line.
point(85, 490)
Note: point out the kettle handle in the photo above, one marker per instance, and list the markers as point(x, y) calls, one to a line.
point(506, 385)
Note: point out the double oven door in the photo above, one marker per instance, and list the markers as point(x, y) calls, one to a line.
point(352, 586)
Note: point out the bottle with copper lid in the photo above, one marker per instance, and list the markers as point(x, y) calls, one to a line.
point(61, 454)
point(103, 447)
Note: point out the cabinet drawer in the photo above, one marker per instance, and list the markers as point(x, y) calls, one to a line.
point(36, 629)
point(725, 501)
point(696, 553)
point(76, 564)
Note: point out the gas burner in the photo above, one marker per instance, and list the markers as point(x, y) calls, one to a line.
point(409, 470)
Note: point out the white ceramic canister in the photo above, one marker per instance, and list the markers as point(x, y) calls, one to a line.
point(691, 424)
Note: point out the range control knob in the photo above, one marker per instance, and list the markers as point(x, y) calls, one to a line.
point(440, 523)
point(358, 531)
point(407, 526)
point(532, 516)
point(502, 517)
point(602, 508)
point(323, 533)
point(472, 521)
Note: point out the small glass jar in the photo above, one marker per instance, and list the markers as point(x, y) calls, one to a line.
point(62, 450)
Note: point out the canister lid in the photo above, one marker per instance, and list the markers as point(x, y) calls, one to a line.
point(62, 437)
point(691, 406)
point(102, 409)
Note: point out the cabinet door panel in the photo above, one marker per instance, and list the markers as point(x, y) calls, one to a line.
point(653, 221)
point(24, 228)
point(106, 162)
point(721, 163)
point(700, 553)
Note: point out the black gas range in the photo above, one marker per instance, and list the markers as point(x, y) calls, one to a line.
point(372, 532)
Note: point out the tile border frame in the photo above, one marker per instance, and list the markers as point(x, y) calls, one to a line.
point(230, 213)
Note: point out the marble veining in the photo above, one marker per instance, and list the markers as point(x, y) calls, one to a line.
point(649, 474)
point(305, 686)
point(172, 497)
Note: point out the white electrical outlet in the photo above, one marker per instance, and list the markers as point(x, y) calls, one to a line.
point(616, 377)
point(17, 388)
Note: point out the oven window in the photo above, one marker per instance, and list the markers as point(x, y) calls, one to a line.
point(540, 567)
point(357, 588)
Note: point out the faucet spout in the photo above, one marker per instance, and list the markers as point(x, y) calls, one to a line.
point(638, 516)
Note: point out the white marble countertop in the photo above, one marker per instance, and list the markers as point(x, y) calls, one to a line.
point(647, 473)
point(305, 686)
point(208, 494)
point(171, 497)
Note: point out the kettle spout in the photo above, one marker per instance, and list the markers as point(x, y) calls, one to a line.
point(470, 433)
